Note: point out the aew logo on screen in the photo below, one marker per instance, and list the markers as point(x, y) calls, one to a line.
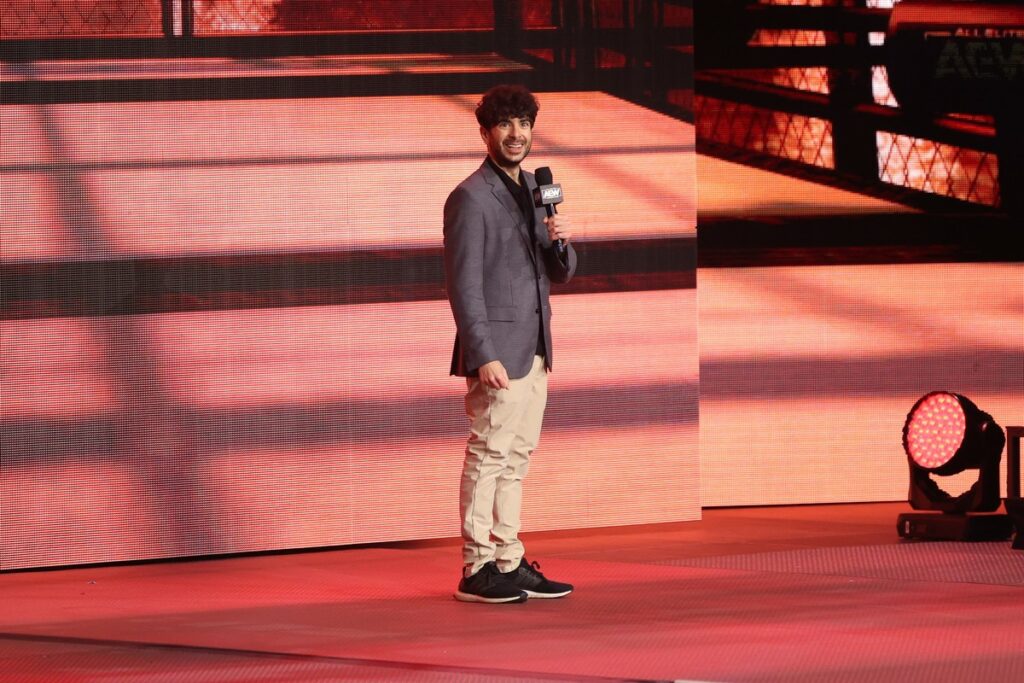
point(956, 55)
point(970, 53)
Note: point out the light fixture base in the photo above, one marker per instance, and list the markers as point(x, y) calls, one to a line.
point(1015, 507)
point(939, 526)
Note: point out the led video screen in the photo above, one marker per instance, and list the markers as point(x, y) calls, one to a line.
point(224, 318)
point(856, 248)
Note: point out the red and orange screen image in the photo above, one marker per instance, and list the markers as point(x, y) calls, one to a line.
point(229, 332)
point(223, 317)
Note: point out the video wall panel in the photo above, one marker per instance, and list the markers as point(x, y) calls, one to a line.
point(223, 321)
point(225, 327)
point(808, 372)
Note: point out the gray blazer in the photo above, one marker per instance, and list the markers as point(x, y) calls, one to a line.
point(498, 282)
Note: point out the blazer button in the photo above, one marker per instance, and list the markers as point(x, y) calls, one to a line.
point(536, 310)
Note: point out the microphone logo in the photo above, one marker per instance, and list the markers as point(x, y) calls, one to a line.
point(551, 193)
point(548, 194)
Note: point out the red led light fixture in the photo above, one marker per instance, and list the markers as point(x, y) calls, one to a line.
point(935, 430)
point(945, 434)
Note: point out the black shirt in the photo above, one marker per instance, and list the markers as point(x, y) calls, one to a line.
point(521, 193)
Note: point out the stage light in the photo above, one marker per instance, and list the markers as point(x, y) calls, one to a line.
point(945, 434)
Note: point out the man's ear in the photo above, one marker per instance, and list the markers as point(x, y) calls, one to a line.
point(484, 132)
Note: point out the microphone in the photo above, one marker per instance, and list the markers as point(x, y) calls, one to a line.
point(548, 194)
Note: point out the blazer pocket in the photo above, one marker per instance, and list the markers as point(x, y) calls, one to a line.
point(505, 313)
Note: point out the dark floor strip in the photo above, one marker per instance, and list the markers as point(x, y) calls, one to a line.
point(838, 239)
point(236, 281)
point(260, 87)
point(323, 659)
point(134, 286)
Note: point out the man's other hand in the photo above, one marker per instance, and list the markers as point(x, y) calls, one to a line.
point(493, 375)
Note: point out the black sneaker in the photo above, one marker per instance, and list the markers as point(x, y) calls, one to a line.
point(489, 585)
point(527, 577)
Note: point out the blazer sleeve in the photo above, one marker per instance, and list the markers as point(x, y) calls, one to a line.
point(464, 241)
point(559, 270)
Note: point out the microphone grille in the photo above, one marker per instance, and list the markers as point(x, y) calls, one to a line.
point(543, 176)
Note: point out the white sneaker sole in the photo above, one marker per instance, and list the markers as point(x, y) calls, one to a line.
point(534, 594)
point(470, 597)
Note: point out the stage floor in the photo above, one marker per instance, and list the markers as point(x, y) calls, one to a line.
point(813, 593)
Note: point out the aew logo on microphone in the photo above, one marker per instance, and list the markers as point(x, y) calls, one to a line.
point(546, 195)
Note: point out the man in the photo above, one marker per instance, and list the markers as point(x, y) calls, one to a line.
point(500, 256)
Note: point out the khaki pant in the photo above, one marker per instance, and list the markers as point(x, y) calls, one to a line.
point(504, 428)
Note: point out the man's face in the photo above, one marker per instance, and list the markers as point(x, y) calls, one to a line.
point(509, 141)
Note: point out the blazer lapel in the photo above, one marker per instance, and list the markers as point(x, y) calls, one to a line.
point(506, 199)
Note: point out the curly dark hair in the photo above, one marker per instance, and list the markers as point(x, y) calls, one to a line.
point(506, 102)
